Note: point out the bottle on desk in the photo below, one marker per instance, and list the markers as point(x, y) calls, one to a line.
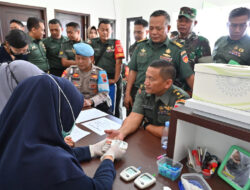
point(164, 137)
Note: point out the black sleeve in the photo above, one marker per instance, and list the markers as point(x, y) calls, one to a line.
point(82, 153)
point(103, 179)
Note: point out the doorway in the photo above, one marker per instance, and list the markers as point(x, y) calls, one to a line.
point(9, 11)
point(82, 19)
point(130, 34)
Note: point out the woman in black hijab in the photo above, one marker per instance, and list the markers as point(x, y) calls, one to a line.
point(33, 152)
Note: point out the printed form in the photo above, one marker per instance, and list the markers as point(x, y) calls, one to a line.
point(101, 124)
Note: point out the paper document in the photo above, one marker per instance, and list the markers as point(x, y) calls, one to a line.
point(89, 114)
point(77, 133)
point(101, 124)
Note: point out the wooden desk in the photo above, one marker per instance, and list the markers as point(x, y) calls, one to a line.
point(143, 148)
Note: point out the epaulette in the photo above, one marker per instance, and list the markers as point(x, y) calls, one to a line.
point(178, 93)
point(142, 87)
point(143, 40)
point(177, 44)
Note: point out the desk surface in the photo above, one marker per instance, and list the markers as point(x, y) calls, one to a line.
point(143, 148)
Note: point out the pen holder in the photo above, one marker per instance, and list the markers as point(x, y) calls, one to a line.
point(169, 168)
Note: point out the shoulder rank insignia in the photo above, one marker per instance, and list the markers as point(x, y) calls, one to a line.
point(178, 44)
point(168, 51)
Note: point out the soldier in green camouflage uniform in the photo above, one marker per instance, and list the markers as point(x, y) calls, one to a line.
point(154, 101)
point(236, 46)
point(197, 47)
point(37, 54)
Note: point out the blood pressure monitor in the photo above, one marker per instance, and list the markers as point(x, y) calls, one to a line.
point(130, 173)
point(144, 180)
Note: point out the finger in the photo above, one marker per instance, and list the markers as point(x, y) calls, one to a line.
point(108, 131)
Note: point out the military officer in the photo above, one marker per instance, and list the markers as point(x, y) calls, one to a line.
point(108, 56)
point(157, 47)
point(66, 52)
point(89, 79)
point(197, 47)
point(140, 34)
point(154, 102)
point(236, 46)
point(16, 24)
point(53, 46)
point(37, 54)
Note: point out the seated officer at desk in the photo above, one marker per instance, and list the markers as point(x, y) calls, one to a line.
point(153, 101)
point(89, 79)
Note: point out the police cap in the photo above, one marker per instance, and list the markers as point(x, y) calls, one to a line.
point(83, 49)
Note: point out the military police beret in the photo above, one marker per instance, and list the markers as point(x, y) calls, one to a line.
point(83, 49)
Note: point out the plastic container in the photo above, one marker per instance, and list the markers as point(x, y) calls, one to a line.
point(190, 169)
point(197, 179)
point(164, 138)
point(169, 168)
point(206, 174)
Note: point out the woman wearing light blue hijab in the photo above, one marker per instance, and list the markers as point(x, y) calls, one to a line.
point(33, 153)
point(13, 73)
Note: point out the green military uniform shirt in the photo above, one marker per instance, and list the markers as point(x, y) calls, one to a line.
point(133, 47)
point(195, 46)
point(156, 110)
point(37, 54)
point(53, 47)
point(147, 52)
point(107, 61)
point(226, 49)
point(67, 50)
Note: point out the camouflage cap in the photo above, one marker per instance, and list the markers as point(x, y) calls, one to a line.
point(187, 12)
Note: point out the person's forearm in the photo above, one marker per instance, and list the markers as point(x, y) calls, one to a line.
point(67, 63)
point(131, 81)
point(117, 72)
point(100, 98)
point(131, 123)
point(82, 153)
point(190, 81)
point(155, 130)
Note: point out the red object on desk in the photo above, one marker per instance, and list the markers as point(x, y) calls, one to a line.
point(196, 157)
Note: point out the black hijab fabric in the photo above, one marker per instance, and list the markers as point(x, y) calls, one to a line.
point(33, 154)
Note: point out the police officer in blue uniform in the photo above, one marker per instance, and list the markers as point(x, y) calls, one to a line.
point(89, 79)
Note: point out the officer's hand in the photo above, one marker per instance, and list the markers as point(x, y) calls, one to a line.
point(87, 102)
point(68, 140)
point(97, 149)
point(128, 101)
point(115, 151)
point(114, 134)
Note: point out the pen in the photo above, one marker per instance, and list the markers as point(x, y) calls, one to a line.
point(159, 157)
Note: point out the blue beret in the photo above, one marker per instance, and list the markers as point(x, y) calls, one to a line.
point(83, 49)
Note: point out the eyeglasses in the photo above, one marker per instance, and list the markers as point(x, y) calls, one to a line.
point(234, 26)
